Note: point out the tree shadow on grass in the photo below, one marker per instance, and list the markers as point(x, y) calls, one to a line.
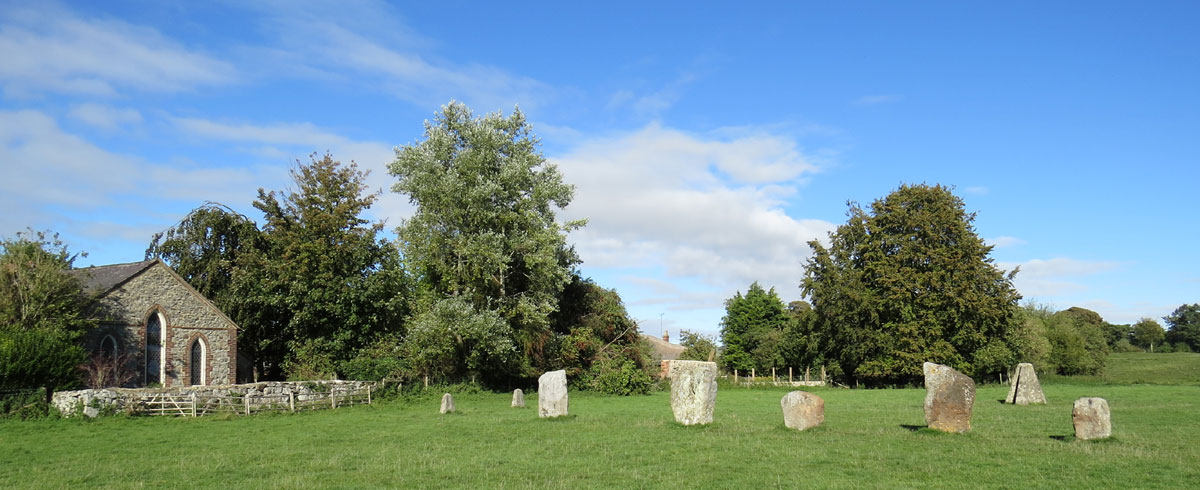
point(560, 418)
point(1072, 438)
point(913, 428)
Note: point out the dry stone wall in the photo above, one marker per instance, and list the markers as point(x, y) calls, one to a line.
point(256, 394)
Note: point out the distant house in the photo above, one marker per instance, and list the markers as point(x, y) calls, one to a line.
point(663, 351)
point(162, 330)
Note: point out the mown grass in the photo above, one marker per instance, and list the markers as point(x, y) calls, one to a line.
point(871, 438)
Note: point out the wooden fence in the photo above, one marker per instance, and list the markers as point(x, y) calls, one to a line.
point(193, 405)
point(793, 379)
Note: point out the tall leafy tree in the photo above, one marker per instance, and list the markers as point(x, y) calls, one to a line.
point(1184, 325)
point(42, 313)
point(485, 227)
point(1147, 333)
point(907, 281)
point(595, 339)
point(325, 283)
point(752, 330)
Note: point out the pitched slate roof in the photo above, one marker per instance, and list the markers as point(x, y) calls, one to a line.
point(98, 280)
point(662, 350)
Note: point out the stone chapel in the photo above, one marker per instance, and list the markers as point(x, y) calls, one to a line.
point(164, 331)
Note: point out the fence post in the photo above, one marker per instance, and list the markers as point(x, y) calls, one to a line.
point(368, 394)
point(292, 401)
point(246, 399)
point(332, 398)
point(806, 373)
point(772, 375)
point(427, 381)
point(193, 404)
point(735, 377)
point(789, 375)
point(822, 373)
point(753, 376)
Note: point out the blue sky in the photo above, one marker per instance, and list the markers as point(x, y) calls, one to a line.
point(708, 143)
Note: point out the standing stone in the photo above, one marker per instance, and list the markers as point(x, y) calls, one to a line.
point(1025, 388)
point(1091, 419)
point(552, 394)
point(949, 396)
point(693, 391)
point(518, 398)
point(447, 403)
point(802, 410)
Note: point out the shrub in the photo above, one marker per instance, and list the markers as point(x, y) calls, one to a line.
point(1124, 345)
point(620, 377)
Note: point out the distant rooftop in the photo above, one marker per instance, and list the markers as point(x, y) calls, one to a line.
point(663, 350)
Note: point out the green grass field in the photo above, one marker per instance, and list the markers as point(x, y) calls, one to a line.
point(871, 438)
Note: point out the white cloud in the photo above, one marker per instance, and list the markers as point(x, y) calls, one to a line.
point(1005, 241)
point(104, 116)
point(699, 208)
point(301, 139)
point(53, 50)
point(48, 169)
point(1054, 277)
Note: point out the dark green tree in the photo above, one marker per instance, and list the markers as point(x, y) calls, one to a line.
point(1184, 326)
point(910, 281)
point(484, 227)
point(752, 330)
point(1147, 333)
point(43, 313)
point(595, 341)
point(323, 284)
point(1078, 341)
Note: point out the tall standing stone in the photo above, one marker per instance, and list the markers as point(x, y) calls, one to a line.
point(802, 410)
point(1091, 418)
point(447, 403)
point(518, 398)
point(693, 391)
point(949, 396)
point(552, 394)
point(1025, 388)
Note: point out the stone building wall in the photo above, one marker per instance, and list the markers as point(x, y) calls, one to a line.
point(188, 316)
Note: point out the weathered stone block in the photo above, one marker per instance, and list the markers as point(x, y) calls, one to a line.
point(1091, 418)
point(552, 394)
point(518, 400)
point(693, 391)
point(949, 397)
point(1025, 388)
point(447, 403)
point(802, 410)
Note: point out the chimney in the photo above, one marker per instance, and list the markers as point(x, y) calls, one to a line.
point(666, 336)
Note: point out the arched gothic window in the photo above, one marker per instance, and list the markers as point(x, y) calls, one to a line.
point(154, 348)
point(197, 364)
point(108, 348)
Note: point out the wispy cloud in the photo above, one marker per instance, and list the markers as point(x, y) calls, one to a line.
point(49, 49)
point(1057, 276)
point(1005, 241)
point(366, 43)
point(104, 116)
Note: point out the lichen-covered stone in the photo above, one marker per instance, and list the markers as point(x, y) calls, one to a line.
point(552, 394)
point(447, 403)
point(1025, 388)
point(518, 400)
point(802, 410)
point(1091, 418)
point(949, 397)
point(693, 391)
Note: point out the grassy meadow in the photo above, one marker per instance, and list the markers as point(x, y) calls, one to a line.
point(871, 438)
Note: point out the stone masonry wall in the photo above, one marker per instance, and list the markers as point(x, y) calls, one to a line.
point(264, 393)
point(188, 317)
